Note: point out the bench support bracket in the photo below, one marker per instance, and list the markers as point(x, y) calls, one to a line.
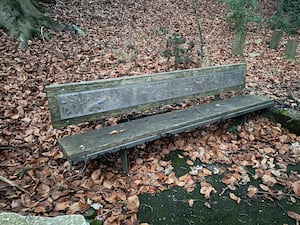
point(124, 160)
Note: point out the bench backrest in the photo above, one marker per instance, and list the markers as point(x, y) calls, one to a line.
point(78, 102)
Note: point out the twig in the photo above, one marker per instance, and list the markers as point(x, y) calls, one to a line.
point(148, 206)
point(80, 172)
point(10, 147)
point(13, 184)
point(109, 211)
point(83, 168)
point(297, 100)
point(272, 194)
point(186, 200)
point(197, 17)
point(223, 191)
point(42, 33)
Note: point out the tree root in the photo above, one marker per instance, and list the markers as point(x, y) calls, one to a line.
point(24, 19)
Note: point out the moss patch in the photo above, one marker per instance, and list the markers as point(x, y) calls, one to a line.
point(171, 206)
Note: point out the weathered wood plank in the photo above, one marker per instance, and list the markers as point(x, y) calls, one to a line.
point(93, 100)
point(84, 103)
point(98, 142)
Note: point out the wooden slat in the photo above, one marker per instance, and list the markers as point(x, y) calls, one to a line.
point(93, 100)
point(98, 142)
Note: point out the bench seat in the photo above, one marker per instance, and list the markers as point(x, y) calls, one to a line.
point(93, 143)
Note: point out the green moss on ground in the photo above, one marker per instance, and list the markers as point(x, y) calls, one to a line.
point(171, 207)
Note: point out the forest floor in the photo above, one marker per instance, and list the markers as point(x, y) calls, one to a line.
point(125, 38)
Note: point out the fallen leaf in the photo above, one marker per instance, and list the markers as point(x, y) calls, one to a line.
point(77, 207)
point(268, 180)
point(107, 184)
point(252, 191)
point(207, 189)
point(234, 197)
point(62, 206)
point(139, 161)
point(296, 187)
point(294, 215)
point(206, 172)
point(180, 156)
point(114, 132)
point(293, 200)
point(191, 202)
point(189, 162)
point(133, 203)
point(127, 222)
point(206, 204)
point(264, 187)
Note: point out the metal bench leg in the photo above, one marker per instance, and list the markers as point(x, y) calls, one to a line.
point(217, 98)
point(124, 160)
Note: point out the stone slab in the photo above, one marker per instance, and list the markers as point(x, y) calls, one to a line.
point(17, 219)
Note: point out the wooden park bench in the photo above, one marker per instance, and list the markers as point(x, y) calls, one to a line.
point(74, 103)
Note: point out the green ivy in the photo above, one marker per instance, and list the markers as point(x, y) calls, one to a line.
point(240, 12)
point(176, 47)
point(287, 16)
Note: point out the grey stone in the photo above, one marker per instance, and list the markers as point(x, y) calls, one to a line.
point(14, 218)
point(254, 54)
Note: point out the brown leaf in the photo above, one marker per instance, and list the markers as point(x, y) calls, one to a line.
point(127, 222)
point(264, 187)
point(107, 184)
point(40, 209)
point(139, 161)
point(133, 203)
point(44, 189)
point(252, 191)
point(97, 176)
point(77, 207)
point(294, 215)
point(269, 150)
point(234, 197)
point(207, 189)
point(62, 206)
point(293, 200)
point(189, 162)
point(110, 197)
point(296, 187)
point(268, 180)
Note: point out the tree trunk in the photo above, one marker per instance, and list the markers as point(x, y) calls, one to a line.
point(23, 20)
point(239, 43)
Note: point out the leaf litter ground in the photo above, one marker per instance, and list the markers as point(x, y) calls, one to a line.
point(124, 39)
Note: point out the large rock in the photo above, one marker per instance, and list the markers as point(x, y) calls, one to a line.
point(14, 218)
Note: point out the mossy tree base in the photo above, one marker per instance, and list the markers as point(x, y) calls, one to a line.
point(24, 19)
point(239, 43)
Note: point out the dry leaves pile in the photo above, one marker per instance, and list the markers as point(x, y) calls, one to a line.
point(122, 41)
